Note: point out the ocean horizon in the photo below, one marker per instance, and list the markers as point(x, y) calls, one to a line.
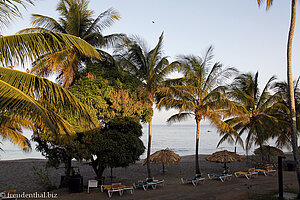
point(177, 137)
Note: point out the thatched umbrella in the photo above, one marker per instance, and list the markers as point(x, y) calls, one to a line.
point(224, 157)
point(165, 156)
point(269, 150)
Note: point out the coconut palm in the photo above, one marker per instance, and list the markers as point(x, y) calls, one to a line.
point(150, 67)
point(282, 106)
point(20, 91)
point(257, 114)
point(290, 85)
point(198, 93)
point(75, 19)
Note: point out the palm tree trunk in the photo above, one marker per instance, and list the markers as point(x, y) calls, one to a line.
point(149, 148)
point(197, 147)
point(261, 154)
point(291, 92)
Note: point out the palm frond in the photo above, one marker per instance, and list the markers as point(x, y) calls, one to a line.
point(46, 22)
point(34, 30)
point(268, 5)
point(11, 129)
point(104, 20)
point(42, 90)
point(179, 117)
point(17, 48)
point(10, 9)
point(265, 94)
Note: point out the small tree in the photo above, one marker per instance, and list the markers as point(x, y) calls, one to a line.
point(117, 144)
point(60, 150)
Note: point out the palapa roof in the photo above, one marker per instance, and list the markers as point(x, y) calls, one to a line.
point(224, 157)
point(269, 149)
point(165, 156)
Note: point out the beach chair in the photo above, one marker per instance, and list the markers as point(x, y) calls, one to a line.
point(140, 184)
point(268, 170)
point(153, 182)
point(92, 184)
point(194, 181)
point(250, 173)
point(127, 188)
point(8, 194)
point(222, 177)
point(115, 187)
point(148, 182)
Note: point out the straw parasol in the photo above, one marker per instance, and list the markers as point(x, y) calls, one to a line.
point(269, 150)
point(224, 157)
point(165, 156)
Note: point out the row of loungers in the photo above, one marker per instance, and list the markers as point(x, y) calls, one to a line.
point(199, 179)
point(151, 182)
point(254, 172)
point(119, 188)
point(226, 176)
point(116, 187)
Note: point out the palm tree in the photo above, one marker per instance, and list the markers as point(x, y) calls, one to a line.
point(151, 68)
point(20, 91)
point(257, 114)
point(198, 93)
point(291, 87)
point(282, 106)
point(75, 19)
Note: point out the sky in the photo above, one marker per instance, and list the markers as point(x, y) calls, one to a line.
point(243, 35)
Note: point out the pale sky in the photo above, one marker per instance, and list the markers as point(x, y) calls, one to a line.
point(243, 35)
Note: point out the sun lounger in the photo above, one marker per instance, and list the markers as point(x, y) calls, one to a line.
point(140, 184)
point(222, 177)
point(115, 187)
point(194, 181)
point(268, 170)
point(250, 173)
point(130, 188)
point(153, 182)
point(148, 182)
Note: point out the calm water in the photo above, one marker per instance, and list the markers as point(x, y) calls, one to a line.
point(179, 138)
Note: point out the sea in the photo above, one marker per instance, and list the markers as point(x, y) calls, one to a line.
point(177, 137)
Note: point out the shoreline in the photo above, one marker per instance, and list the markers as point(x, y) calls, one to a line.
point(20, 159)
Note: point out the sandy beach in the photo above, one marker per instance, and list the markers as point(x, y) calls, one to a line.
point(20, 175)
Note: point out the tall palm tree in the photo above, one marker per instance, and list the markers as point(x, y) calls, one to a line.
point(290, 84)
point(151, 68)
point(75, 19)
point(198, 93)
point(257, 115)
point(20, 92)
